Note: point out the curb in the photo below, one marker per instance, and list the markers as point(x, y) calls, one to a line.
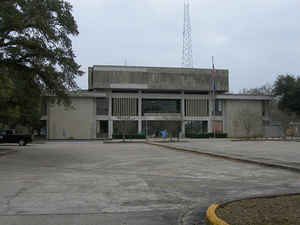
point(278, 166)
point(212, 217)
point(236, 140)
point(124, 142)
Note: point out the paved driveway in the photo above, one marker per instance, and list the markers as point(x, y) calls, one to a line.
point(117, 184)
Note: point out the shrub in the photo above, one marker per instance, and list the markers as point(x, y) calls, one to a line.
point(206, 135)
point(221, 135)
point(129, 136)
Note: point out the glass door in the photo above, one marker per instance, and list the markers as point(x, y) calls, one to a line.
point(102, 129)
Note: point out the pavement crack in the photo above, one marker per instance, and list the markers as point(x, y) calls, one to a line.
point(12, 197)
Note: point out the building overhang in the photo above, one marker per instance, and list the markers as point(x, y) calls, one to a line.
point(88, 95)
point(244, 97)
point(83, 94)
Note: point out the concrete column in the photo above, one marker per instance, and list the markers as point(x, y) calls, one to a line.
point(182, 114)
point(48, 120)
point(210, 124)
point(140, 112)
point(94, 124)
point(110, 122)
point(224, 117)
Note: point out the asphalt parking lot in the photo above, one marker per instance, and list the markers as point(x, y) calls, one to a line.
point(91, 183)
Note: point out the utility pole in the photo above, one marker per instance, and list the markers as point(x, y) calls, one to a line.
point(213, 96)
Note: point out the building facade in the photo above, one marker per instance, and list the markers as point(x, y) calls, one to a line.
point(147, 100)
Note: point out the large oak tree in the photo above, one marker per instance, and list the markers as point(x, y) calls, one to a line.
point(36, 56)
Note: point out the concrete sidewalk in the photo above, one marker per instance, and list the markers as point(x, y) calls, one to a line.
point(278, 153)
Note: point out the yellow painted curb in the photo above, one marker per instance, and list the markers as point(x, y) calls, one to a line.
point(212, 217)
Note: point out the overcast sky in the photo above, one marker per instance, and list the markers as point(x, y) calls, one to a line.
point(254, 39)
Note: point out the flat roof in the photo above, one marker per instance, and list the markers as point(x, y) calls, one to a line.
point(151, 69)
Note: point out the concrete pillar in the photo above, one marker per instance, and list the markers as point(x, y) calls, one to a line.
point(183, 129)
point(48, 120)
point(110, 121)
point(182, 114)
point(224, 117)
point(140, 112)
point(211, 108)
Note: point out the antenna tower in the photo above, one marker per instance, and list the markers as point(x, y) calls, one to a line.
point(187, 50)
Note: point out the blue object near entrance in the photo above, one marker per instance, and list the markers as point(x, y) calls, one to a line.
point(163, 133)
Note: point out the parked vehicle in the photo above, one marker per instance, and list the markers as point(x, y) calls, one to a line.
point(10, 136)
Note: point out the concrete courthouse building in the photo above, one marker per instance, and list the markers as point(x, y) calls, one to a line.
point(152, 99)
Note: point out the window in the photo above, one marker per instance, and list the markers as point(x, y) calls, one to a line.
point(125, 127)
point(101, 106)
point(44, 109)
point(196, 127)
point(161, 106)
point(154, 128)
point(102, 129)
point(218, 126)
point(218, 107)
point(265, 108)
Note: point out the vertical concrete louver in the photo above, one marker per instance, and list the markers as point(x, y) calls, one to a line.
point(125, 106)
point(196, 107)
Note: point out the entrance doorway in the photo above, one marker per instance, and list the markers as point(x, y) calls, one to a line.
point(154, 128)
point(102, 129)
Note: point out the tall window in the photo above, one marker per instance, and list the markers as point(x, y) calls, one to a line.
point(101, 106)
point(218, 107)
point(217, 126)
point(44, 108)
point(265, 108)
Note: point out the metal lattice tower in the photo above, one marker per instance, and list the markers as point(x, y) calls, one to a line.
point(187, 50)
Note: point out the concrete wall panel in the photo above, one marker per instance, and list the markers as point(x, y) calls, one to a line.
point(77, 122)
point(251, 111)
point(104, 77)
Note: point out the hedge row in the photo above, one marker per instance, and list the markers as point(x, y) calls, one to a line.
point(129, 136)
point(142, 136)
point(207, 135)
